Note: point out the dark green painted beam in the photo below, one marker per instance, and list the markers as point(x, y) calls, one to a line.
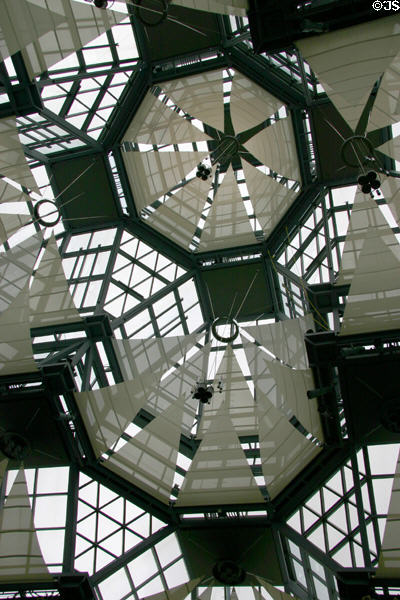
point(127, 105)
point(131, 554)
point(302, 146)
point(310, 479)
point(170, 71)
point(24, 96)
point(71, 129)
point(272, 79)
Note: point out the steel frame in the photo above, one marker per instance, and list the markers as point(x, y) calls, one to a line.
point(287, 79)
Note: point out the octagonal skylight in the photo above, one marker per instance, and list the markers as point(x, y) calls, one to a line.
point(243, 137)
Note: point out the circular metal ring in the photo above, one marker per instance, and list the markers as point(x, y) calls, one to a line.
point(42, 220)
point(229, 572)
point(390, 415)
point(14, 445)
point(227, 148)
point(141, 11)
point(349, 149)
point(224, 320)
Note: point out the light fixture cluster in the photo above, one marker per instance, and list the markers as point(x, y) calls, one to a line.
point(101, 3)
point(204, 392)
point(369, 182)
point(203, 171)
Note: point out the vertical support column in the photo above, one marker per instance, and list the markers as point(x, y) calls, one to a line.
point(360, 511)
point(71, 520)
point(371, 495)
point(329, 258)
point(273, 282)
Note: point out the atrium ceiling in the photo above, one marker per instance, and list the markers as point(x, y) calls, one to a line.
point(180, 214)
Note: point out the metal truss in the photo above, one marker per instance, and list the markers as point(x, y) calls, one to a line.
point(127, 280)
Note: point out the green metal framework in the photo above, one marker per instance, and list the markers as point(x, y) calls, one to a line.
point(127, 279)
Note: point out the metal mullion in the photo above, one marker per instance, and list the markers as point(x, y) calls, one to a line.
point(286, 272)
point(75, 268)
point(181, 312)
point(323, 519)
point(170, 326)
point(125, 289)
point(34, 491)
point(302, 526)
point(153, 319)
point(317, 242)
point(90, 277)
point(84, 279)
point(71, 519)
point(134, 293)
point(309, 573)
point(349, 526)
point(112, 44)
point(304, 243)
point(87, 367)
point(108, 272)
point(82, 251)
point(57, 356)
point(131, 582)
point(100, 95)
point(69, 98)
point(361, 515)
point(79, 276)
point(97, 510)
point(332, 213)
point(100, 373)
point(152, 299)
point(136, 261)
point(160, 569)
point(123, 66)
point(129, 555)
point(71, 129)
point(327, 513)
point(374, 515)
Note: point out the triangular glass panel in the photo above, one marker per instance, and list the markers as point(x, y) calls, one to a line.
point(309, 518)
point(329, 498)
point(335, 483)
point(338, 518)
point(314, 503)
point(106, 495)
point(81, 545)
point(142, 525)
point(87, 527)
point(84, 510)
point(102, 559)
point(294, 521)
point(115, 509)
point(114, 543)
point(334, 537)
point(317, 537)
point(106, 527)
point(353, 513)
point(343, 556)
point(130, 540)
